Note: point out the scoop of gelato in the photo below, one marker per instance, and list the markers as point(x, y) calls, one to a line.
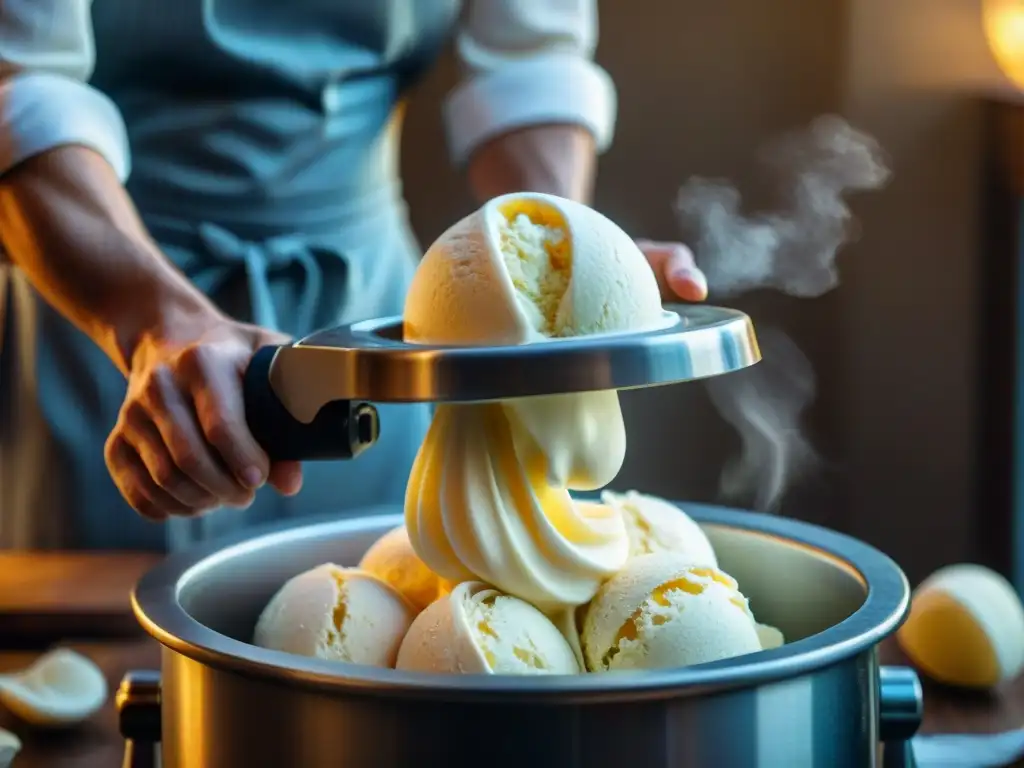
point(525, 267)
point(661, 611)
point(657, 525)
point(478, 630)
point(340, 614)
point(392, 560)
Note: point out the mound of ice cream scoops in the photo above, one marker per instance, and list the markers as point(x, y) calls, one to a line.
point(498, 568)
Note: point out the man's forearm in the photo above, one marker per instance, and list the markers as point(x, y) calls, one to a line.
point(68, 224)
point(556, 159)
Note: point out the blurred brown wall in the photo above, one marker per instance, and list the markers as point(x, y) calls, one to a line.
point(701, 85)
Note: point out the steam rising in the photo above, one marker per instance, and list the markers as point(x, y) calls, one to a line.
point(792, 250)
point(764, 404)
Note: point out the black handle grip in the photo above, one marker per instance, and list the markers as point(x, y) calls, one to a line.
point(341, 429)
point(138, 710)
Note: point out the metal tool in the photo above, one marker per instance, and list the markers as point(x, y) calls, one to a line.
point(308, 400)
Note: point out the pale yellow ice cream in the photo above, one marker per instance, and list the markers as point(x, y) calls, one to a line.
point(340, 614)
point(770, 637)
point(657, 525)
point(662, 611)
point(526, 267)
point(392, 560)
point(475, 510)
point(488, 495)
point(966, 627)
point(478, 630)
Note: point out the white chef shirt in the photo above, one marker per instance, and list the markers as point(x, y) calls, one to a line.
point(524, 62)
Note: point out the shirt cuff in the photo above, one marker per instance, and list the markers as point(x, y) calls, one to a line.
point(555, 88)
point(40, 111)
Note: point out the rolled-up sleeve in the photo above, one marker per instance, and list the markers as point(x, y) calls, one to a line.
point(528, 62)
point(47, 55)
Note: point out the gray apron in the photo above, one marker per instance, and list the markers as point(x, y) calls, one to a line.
point(265, 142)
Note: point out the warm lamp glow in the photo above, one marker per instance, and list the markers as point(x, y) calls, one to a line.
point(1004, 27)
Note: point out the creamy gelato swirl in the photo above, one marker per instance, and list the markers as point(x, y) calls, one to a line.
point(488, 496)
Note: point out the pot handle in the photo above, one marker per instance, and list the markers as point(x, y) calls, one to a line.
point(901, 706)
point(138, 714)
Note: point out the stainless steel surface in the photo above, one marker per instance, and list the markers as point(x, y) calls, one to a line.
point(901, 702)
point(814, 702)
point(901, 707)
point(369, 361)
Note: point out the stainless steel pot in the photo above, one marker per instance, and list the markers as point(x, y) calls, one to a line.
point(821, 701)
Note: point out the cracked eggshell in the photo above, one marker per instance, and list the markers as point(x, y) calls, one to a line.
point(662, 611)
point(479, 630)
point(335, 613)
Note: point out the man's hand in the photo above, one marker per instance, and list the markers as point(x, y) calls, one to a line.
point(678, 275)
point(181, 445)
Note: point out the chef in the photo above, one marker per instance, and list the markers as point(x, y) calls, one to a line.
point(182, 183)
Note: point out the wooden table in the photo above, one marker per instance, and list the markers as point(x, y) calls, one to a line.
point(97, 743)
point(47, 596)
point(952, 711)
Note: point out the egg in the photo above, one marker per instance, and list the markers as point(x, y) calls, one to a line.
point(966, 628)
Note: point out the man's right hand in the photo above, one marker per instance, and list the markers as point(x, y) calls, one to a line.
point(181, 445)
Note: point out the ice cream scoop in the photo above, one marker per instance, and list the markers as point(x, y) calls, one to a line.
point(488, 497)
point(966, 627)
point(526, 267)
point(340, 614)
point(60, 688)
point(10, 746)
point(478, 630)
point(657, 525)
point(392, 560)
point(662, 611)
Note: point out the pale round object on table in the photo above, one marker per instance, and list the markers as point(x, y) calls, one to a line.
point(338, 614)
point(966, 627)
point(477, 630)
point(10, 746)
point(393, 560)
point(662, 611)
point(60, 688)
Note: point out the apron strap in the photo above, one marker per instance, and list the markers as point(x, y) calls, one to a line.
point(259, 260)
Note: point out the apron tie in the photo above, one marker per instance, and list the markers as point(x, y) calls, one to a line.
point(260, 260)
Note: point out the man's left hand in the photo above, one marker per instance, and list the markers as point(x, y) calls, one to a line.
point(677, 273)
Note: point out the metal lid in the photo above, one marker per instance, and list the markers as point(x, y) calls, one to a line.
point(369, 360)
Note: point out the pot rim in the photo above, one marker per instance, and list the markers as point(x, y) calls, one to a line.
point(155, 601)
